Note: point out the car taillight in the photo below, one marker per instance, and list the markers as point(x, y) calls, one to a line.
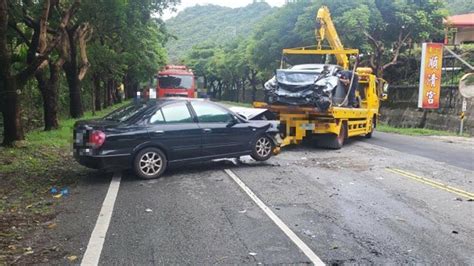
point(97, 138)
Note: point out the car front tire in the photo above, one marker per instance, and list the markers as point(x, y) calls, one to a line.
point(262, 149)
point(150, 163)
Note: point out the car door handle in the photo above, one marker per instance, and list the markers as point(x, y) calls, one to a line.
point(160, 132)
point(207, 130)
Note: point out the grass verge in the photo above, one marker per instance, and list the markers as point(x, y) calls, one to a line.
point(415, 131)
point(27, 174)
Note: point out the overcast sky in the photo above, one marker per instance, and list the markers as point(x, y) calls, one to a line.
point(230, 3)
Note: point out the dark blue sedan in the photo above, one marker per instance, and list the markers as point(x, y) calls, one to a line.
point(150, 136)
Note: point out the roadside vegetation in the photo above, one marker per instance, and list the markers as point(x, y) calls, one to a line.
point(415, 131)
point(235, 66)
point(65, 58)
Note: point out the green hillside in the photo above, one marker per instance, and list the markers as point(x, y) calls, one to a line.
point(456, 7)
point(211, 23)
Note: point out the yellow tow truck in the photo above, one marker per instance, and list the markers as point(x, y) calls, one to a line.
point(331, 127)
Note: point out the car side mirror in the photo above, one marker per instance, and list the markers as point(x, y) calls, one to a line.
point(233, 122)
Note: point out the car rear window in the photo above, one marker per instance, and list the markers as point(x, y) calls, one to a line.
point(126, 113)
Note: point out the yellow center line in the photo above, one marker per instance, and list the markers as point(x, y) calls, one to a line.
point(432, 183)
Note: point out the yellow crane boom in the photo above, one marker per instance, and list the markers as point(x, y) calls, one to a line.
point(325, 26)
point(326, 30)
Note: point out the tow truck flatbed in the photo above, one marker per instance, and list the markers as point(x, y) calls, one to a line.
point(337, 112)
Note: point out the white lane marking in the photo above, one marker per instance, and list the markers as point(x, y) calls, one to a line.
point(96, 242)
point(301, 245)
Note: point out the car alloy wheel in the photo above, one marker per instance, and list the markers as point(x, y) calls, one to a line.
point(151, 163)
point(263, 147)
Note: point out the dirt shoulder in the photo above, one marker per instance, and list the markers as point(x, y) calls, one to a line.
point(36, 177)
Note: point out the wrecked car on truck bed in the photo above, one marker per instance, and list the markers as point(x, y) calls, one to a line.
point(304, 85)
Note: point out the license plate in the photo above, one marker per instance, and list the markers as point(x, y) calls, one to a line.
point(308, 126)
point(79, 138)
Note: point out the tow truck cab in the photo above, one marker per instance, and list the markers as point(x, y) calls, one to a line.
point(175, 81)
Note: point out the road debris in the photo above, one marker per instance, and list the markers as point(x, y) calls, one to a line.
point(63, 192)
point(252, 254)
point(309, 233)
point(72, 258)
point(28, 251)
point(148, 210)
point(243, 211)
point(52, 226)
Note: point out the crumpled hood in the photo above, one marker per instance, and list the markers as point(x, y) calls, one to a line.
point(295, 80)
point(301, 88)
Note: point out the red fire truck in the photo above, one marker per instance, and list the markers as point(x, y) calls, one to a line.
point(175, 81)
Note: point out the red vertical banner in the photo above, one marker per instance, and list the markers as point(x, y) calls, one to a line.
point(430, 75)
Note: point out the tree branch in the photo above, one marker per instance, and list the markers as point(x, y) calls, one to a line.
point(13, 26)
point(43, 27)
point(372, 61)
point(83, 34)
point(374, 42)
point(44, 48)
point(396, 51)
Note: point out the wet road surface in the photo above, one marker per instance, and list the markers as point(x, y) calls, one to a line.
point(374, 201)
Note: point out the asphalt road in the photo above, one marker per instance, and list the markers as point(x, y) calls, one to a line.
point(390, 199)
point(455, 152)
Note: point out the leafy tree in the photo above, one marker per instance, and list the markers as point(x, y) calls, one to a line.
point(198, 59)
point(44, 38)
point(274, 33)
point(456, 7)
point(24, 48)
point(381, 29)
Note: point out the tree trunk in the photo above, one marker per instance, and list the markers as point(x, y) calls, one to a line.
point(113, 92)
point(243, 90)
point(49, 92)
point(254, 89)
point(106, 93)
point(9, 99)
point(97, 95)
point(129, 90)
point(70, 68)
point(117, 93)
point(221, 84)
point(109, 92)
point(12, 128)
point(235, 83)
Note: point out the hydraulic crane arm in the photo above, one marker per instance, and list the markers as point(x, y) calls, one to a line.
point(325, 30)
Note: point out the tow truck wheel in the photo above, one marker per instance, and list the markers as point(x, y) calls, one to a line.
point(333, 141)
point(262, 149)
point(369, 135)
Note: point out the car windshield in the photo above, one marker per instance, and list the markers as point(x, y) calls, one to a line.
point(292, 77)
point(125, 113)
point(175, 81)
